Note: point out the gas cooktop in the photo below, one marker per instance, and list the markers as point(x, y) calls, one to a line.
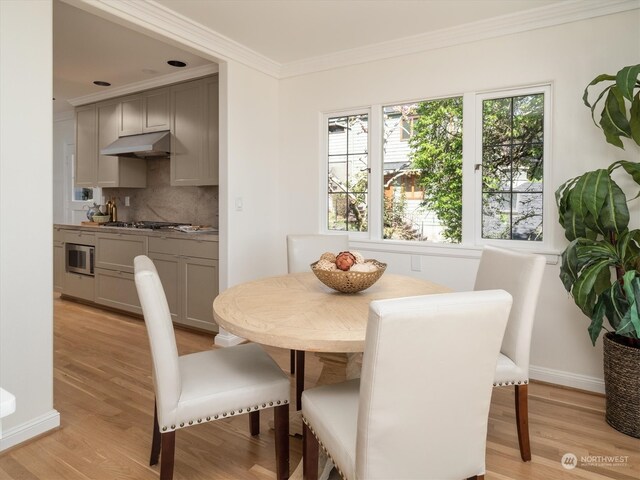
point(145, 224)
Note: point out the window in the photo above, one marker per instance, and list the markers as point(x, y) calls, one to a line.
point(423, 177)
point(420, 177)
point(512, 167)
point(348, 172)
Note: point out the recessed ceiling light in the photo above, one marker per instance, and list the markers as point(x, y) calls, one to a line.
point(100, 83)
point(176, 63)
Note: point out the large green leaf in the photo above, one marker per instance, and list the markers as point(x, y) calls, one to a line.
point(613, 120)
point(614, 216)
point(632, 168)
point(585, 95)
point(631, 320)
point(596, 320)
point(634, 120)
point(569, 266)
point(583, 290)
point(626, 80)
point(628, 249)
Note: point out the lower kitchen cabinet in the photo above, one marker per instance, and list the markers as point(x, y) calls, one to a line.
point(78, 286)
point(190, 282)
point(117, 289)
point(168, 267)
point(200, 288)
point(58, 259)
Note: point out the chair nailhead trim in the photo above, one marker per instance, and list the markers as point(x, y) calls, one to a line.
point(324, 449)
point(225, 414)
point(511, 382)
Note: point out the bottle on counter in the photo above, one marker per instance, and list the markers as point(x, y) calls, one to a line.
point(114, 212)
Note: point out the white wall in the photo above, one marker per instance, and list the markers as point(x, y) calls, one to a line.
point(250, 170)
point(26, 284)
point(568, 56)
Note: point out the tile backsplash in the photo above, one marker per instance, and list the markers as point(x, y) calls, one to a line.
point(162, 202)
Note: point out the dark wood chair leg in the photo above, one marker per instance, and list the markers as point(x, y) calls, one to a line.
point(522, 421)
point(292, 361)
point(281, 427)
point(168, 452)
point(155, 441)
point(254, 422)
point(299, 377)
point(310, 453)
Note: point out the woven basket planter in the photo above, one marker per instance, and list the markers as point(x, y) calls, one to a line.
point(622, 386)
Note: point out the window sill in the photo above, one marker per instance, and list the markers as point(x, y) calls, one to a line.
point(439, 250)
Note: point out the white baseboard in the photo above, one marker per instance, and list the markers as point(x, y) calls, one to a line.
point(226, 339)
point(37, 426)
point(567, 379)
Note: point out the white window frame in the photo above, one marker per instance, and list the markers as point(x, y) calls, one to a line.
point(324, 204)
point(547, 204)
point(472, 240)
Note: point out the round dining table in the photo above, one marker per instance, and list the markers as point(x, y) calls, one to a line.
point(298, 312)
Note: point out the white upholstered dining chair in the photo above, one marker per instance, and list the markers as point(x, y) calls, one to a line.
point(520, 274)
point(208, 385)
point(302, 251)
point(428, 422)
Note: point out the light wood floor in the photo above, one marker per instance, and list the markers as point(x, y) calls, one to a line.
point(103, 391)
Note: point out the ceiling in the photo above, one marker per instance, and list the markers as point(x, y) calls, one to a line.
point(88, 48)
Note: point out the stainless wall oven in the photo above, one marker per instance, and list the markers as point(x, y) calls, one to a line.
point(79, 258)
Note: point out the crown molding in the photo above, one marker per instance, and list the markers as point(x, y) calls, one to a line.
point(163, 22)
point(557, 14)
point(156, 82)
point(166, 23)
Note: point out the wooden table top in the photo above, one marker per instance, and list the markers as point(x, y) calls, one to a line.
point(299, 312)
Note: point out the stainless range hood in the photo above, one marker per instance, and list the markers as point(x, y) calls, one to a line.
point(145, 145)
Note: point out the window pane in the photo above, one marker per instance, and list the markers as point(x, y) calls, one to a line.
point(348, 172)
point(81, 194)
point(337, 211)
point(422, 161)
point(512, 167)
point(496, 122)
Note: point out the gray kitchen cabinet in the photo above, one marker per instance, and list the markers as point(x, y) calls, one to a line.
point(194, 125)
point(114, 284)
point(168, 267)
point(156, 110)
point(86, 161)
point(145, 112)
point(78, 286)
point(58, 259)
point(116, 251)
point(116, 171)
point(130, 116)
point(117, 289)
point(192, 266)
point(200, 288)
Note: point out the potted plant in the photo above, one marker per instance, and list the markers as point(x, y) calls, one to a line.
point(601, 265)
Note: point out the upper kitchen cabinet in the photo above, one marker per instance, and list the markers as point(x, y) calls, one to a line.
point(194, 125)
point(144, 113)
point(116, 171)
point(86, 165)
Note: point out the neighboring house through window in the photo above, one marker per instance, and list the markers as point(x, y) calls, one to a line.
point(424, 172)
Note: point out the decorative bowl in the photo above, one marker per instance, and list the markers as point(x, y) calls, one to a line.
point(349, 281)
point(101, 218)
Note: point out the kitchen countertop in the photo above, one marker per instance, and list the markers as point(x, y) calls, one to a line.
point(209, 237)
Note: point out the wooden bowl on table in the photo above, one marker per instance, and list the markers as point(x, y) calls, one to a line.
point(349, 281)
